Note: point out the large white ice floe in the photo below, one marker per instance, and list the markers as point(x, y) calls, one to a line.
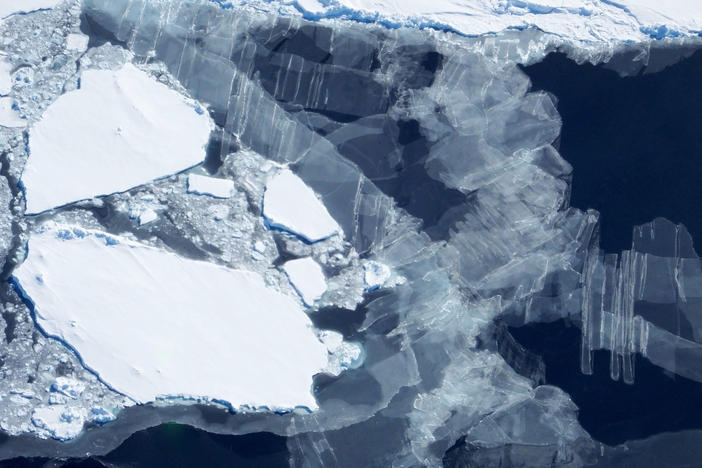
point(212, 186)
point(120, 129)
point(11, 7)
point(307, 278)
point(291, 205)
point(154, 325)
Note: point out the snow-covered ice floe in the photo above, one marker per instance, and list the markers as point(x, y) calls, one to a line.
point(307, 278)
point(154, 325)
point(212, 186)
point(120, 129)
point(289, 204)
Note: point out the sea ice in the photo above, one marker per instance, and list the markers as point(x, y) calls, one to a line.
point(120, 129)
point(147, 216)
point(289, 204)
point(154, 325)
point(307, 278)
point(212, 186)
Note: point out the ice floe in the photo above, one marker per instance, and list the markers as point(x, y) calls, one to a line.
point(154, 325)
point(120, 129)
point(289, 204)
point(212, 186)
point(307, 278)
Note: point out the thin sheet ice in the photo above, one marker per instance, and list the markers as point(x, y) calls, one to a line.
point(152, 324)
point(120, 129)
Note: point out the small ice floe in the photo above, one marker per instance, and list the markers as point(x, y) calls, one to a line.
point(290, 205)
point(212, 186)
point(307, 278)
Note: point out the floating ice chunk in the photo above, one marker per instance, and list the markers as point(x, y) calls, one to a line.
point(342, 354)
point(59, 421)
point(77, 42)
point(100, 415)
point(69, 387)
point(5, 76)
point(11, 7)
point(121, 129)
point(186, 328)
point(147, 216)
point(212, 186)
point(375, 275)
point(307, 278)
point(259, 247)
point(289, 204)
point(9, 117)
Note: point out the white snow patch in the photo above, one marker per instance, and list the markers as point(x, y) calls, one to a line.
point(59, 421)
point(307, 278)
point(11, 7)
point(154, 325)
point(212, 186)
point(290, 204)
point(259, 247)
point(121, 129)
point(9, 117)
point(375, 275)
point(77, 42)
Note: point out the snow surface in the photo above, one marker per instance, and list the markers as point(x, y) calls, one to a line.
point(155, 325)
point(307, 278)
point(289, 204)
point(598, 21)
point(11, 7)
point(120, 129)
point(9, 117)
point(212, 186)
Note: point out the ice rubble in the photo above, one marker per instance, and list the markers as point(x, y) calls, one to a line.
point(291, 205)
point(149, 344)
point(134, 129)
point(212, 186)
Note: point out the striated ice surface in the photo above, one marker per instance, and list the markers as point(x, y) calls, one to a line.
point(133, 129)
